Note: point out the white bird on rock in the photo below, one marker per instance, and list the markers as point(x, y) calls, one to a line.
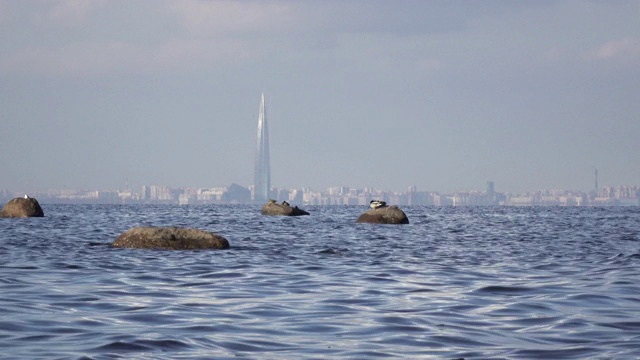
point(374, 204)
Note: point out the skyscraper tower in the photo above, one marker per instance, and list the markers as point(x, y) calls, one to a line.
point(491, 194)
point(262, 181)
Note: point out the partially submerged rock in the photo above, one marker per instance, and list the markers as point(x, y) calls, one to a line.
point(170, 238)
point(22, 207)
point(284, 209)
point(384, 215)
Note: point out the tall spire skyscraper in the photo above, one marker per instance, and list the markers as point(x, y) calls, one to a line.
point(262, 181)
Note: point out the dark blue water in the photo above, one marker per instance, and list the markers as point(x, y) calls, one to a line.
point(465, 282)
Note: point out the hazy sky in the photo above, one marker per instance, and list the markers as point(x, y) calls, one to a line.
point(443, 95)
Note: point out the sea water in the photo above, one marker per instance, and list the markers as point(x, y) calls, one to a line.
point(457, 282)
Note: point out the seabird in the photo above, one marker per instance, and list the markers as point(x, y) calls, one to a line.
point(374, 204)
point(285, 203)
point(26, 196)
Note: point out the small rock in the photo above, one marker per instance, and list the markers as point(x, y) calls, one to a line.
point(171, 238)
point(22, 207)
point(384, 215)
point(284, 209)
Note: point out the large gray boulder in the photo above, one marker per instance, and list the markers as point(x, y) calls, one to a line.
point(284, 209)
point(384, 215)
point(170, 238)
point(22, 207)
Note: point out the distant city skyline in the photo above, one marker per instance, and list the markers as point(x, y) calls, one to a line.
point(487, 186)
point(622, 195)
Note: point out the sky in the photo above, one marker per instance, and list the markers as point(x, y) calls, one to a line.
point(441, 95)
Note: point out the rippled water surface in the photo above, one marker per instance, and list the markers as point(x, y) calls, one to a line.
point(465, 282)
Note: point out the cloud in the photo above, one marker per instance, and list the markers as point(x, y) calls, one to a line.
point(76, 59)
point(211, 18)
point(66, 12)
point(6, 12)
point(194, 54)
point(83, 59)
point(627, 49)
point(199, 35)
point(320, 18)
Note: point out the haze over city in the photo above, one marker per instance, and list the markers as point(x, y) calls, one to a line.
point(442, 95)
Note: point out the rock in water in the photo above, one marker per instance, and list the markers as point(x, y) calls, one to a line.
point(284, 209)
point(170, 238)
point(384, 215)
point(22, 207)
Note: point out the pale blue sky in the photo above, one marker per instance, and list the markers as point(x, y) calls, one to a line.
point(444, 95)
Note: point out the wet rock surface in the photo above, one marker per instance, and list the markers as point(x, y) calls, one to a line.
point(22, 207)
point(170, 238)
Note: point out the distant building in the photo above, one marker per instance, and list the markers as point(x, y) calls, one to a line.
point(491, 194)
point(262, 180)
point(145, 195)
point(159, 193)
point(236, 194)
